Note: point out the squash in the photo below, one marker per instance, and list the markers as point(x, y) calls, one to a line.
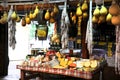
point(84, 6)
point(115, 20)
point(52, 20)
point(103, 10)
point(78, 10)
point(108, 18)
point(95, 19)
point(47, 15)
point(114, 9)
point(96, 12)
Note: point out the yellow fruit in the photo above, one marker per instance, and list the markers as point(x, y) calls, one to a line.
point(36, 11)
point(84, 6)
point(87, 63)
point(94, 19)
point(14, 15)
point(115, 20)
point(103, 10)
point(109, 17)
point(55, 9)
point(85, 15)
point(78, 11)
point(52, 20)
point(28, 21)
point(34, 15)
point(96, 12)
point(18, 19)
point(47, 15)
point(31, 15)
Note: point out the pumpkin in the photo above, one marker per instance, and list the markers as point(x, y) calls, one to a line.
point(78, 11)
point(47, 15)
point(96, 12)
point(108, 18)
point(114, 9)
point(84, 6)
point(115, 20)
point(103, 10)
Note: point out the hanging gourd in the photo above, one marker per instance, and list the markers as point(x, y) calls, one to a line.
point(18, 18)
point(108, 17)
point(102, 19)
point(14, 15)
point(96, 12)
point(52, 20)
point(78, 11)
point(95, 19)
point(3, 19)
point(31, 15)
point(85, 15)
point(115, 20)
point(114, 9)
point(52, 14)
point(27, 19)
point(55, 9)
point(103, 10)
point(84, 6)
point(36, 11)
point(74, 18)
point(47, 15)
point(23, 23)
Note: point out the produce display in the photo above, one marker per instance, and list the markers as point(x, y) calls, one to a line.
point(55, 59)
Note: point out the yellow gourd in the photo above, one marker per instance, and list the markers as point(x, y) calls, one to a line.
point(47, 15)
point(102, 19)
point(78, 11)
point(14, 16)
point(114, 9)
point(96, 11)
point(27, 19)
point(115, 20)
point(103, 10)
point(55, 9)
point(108, 18)
point(95, 19)
point(36, 11)
point(31, 15)
point(85, 15)
point(18, 19)
point(34, 15)
point(52, 20)
point(84, 6)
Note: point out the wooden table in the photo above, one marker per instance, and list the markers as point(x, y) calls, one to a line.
point(28, 72)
